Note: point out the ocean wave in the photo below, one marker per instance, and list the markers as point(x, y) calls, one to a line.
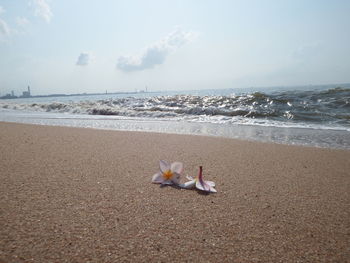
point(322, 107)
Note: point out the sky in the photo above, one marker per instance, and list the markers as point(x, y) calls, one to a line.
point(77, 46)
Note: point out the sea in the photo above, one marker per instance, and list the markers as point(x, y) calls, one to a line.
point(316, 116)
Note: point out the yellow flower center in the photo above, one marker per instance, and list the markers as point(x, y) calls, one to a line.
point(167, 175)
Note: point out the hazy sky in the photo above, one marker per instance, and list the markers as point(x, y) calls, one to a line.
point(70, 46)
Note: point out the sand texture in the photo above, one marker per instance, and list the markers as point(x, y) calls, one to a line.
point(84, 195)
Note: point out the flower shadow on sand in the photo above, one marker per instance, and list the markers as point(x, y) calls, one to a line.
point(181, 188)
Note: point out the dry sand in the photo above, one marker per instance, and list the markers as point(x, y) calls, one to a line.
point(84, 195)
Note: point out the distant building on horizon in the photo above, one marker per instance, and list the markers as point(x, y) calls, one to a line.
point(26, 94)
point(9, 95)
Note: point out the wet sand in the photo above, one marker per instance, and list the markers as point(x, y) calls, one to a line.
point(84, 195)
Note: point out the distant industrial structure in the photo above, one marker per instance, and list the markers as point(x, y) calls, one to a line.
point(142, 90)
point(25, 94)
point(9, 95)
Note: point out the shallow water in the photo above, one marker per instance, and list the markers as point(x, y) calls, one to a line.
point(327, 138)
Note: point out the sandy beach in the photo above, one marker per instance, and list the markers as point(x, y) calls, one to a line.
point(84, 195)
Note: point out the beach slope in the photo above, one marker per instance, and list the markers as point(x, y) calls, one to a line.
point(84, 195)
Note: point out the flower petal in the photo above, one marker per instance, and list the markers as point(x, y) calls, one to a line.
point(188, 185)
point(177, 167)
point(212, 190)
point(189, 177)
point(164, 166)
point(168, 182)
point(158, 178)
point(210, 183)
point(176, 178)
point(202, 186)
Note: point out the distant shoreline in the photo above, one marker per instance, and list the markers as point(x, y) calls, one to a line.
point(74, 95)
point(237, 89)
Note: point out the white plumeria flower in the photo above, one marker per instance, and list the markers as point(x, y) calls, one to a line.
point(199, 183)
point(169, 173)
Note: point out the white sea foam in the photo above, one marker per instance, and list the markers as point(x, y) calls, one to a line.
point(310, 137)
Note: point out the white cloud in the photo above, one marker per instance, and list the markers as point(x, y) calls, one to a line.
point(42, 9)
point(156, 53)
point(22, 21)
point(4, 29)
point(83, 59)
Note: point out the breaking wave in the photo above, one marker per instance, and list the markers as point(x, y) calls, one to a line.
point(330, 107)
